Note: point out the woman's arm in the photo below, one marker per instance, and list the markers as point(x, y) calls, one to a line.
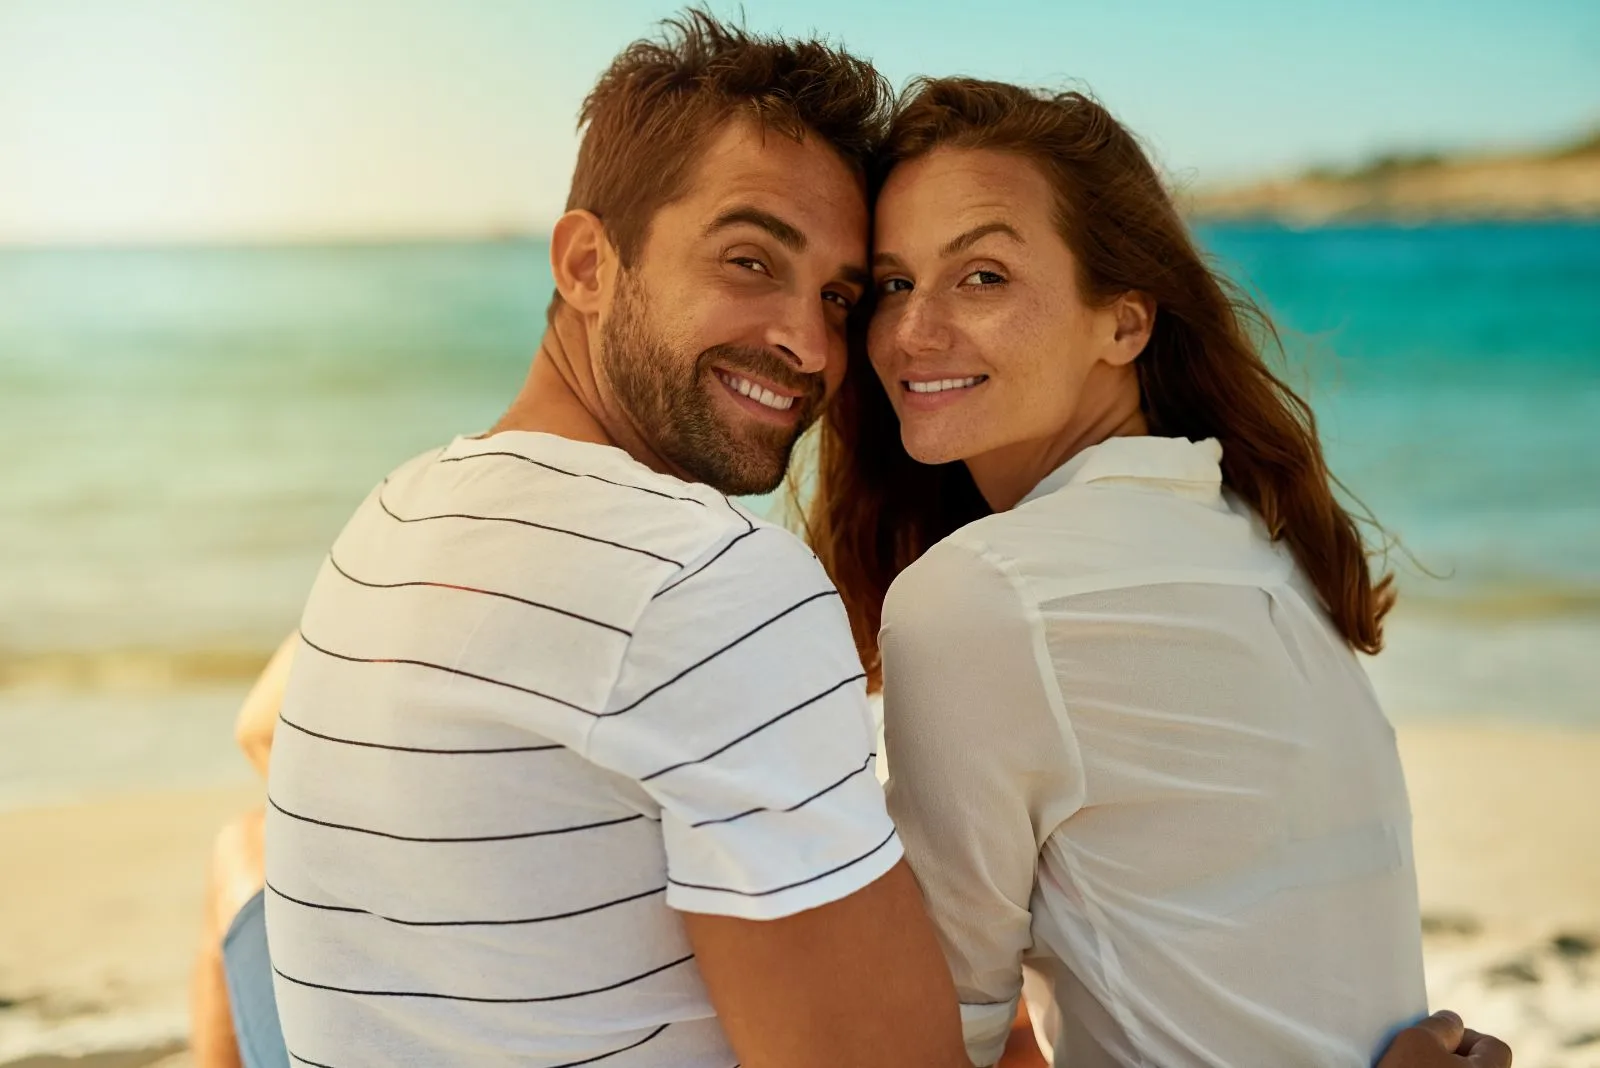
point(980, 770)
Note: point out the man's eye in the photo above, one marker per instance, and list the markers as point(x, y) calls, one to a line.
point(750, 263)
point(890, 286)
point(983, 278)
point(840, 299)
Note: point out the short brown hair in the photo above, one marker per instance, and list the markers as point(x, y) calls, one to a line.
point(654, 107)
point(1202, 375)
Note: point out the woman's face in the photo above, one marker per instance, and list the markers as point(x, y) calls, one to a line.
point(981, 335)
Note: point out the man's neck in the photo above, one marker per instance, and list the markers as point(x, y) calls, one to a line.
point(560, 396)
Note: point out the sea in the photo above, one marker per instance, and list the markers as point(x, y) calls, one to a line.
point(183, 432)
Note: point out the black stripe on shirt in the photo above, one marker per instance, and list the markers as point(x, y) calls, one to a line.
point(703, 661)
point(750, 528)
point(525, 523)
point(572, 474)
point(680, 581)
point(798, 804)
point(287, 722)
point(307, 1060)
point(473, 589)
point(469, 923)
point(813, 699)
point(476, 838)
point(481, 1000)
point(613, 1053)
point(449, 670)
point(790, 886)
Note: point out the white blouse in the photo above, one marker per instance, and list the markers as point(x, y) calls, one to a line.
point(1145, 783)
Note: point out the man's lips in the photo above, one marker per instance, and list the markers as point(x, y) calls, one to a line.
point(761, 401)
point(756, 389)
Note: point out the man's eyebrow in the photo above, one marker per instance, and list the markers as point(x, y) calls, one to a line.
point(857, 276)
point(787, 234)
point(965, 241)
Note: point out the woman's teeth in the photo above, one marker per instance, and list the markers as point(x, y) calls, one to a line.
point(944, 383)
point(746, 388)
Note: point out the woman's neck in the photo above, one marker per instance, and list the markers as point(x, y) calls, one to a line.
point(1006, 475)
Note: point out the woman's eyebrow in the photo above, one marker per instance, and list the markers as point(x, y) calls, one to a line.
point(966, 240)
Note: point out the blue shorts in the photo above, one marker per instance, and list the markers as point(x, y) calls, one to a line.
point(250, 996)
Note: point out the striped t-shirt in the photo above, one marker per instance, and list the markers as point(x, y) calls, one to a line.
point(544, 698)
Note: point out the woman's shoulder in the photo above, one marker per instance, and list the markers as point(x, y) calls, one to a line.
point(960, 575)
point(1098, 537)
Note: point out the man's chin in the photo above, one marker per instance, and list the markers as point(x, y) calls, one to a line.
point(741, 468)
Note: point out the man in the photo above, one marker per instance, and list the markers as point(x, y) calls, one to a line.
point(574, 763)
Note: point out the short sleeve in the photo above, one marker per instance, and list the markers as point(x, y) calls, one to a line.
point(741, 708)
point(980, 769)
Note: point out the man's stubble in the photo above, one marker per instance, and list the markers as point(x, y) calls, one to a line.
point(669, 397)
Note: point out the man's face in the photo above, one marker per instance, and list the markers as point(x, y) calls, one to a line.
point(724, 339)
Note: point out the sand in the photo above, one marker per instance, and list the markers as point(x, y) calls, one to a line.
point(100, 903)
point(99, 920)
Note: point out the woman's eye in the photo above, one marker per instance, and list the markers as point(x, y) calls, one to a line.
point(750, 263)
point(894, 285)
point(983, 278)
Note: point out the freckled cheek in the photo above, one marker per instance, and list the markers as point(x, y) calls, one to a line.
point(880, 346)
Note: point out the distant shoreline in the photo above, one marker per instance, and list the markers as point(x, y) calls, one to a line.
point(1554, 185)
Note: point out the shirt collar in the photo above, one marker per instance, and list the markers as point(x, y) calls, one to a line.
point(1141, 459)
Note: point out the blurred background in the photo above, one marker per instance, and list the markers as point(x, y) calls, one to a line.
point(254, 254)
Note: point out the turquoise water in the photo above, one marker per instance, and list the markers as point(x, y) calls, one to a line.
point(186, 430)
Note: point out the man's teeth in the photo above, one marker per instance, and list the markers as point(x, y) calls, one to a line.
point(760, 395)
point(943, 384)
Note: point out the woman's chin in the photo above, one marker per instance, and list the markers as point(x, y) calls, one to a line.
point(932, 451)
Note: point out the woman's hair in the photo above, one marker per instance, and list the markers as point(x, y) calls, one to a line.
point(1202, 374)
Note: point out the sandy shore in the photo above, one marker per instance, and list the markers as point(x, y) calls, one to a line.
point(99, 904)
point(99, 920)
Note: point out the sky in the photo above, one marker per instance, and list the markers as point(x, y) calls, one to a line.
point(140, 121)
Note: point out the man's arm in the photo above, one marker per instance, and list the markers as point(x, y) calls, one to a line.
point(858, 981)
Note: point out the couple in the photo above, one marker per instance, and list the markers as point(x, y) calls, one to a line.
point(575, 760)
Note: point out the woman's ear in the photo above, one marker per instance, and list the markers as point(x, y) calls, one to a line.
point(1135, 314)
point(580, 256)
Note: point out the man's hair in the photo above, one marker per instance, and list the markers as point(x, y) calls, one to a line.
point(652, 111)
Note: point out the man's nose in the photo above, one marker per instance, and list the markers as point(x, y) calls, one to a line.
point(804, 335)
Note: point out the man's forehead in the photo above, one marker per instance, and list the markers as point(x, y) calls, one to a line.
point(805, 183)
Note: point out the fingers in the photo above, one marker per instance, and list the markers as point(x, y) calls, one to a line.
point(1485, 1051)
point(1446, 1027)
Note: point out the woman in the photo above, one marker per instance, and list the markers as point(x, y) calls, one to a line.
point(1129, 742)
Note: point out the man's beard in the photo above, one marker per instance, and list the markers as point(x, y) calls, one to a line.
point(670, 400)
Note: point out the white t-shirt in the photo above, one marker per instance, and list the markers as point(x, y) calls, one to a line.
point(545, 697)
point(1131, 758)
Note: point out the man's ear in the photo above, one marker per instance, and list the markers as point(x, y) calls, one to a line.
point(581, 258)
point(1135, 317)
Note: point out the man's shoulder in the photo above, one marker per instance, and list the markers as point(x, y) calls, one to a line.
point(601, 501)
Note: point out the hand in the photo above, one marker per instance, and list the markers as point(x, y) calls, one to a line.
point(1443, 1041)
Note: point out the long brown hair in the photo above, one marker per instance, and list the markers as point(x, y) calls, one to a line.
point(1202, 375)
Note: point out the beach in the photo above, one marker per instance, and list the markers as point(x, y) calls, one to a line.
point(101, 903)
point(197, 424)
